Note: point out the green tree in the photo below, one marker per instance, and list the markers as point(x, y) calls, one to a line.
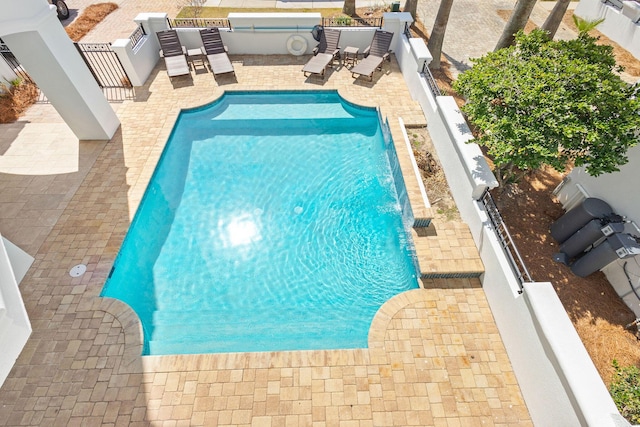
point(437, 35)
point(517, 21)
point(544, 102)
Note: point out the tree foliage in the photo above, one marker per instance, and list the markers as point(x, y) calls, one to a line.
point(543, 102)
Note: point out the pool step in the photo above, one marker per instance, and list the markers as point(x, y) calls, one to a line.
point(189, 332)
point(290, 125)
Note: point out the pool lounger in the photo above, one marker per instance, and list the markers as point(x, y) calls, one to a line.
point(216, 51)
point(318, 64)
point(173, 53)
point(377, 52)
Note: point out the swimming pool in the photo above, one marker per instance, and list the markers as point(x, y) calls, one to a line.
point(272, 222)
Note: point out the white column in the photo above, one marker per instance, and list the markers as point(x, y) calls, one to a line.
point(395, 22)
point(35, 36)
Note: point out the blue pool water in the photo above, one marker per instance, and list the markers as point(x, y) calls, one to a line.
point(272, 222)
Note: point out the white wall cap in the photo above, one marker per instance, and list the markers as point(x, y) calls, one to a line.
point(631, 9)
point(17, 22)
point(274, 15)
point(123, 43)
point(398, 16)
point(420, 50)
point(141, 17)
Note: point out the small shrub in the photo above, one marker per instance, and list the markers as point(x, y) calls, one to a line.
point(625, 390)
point(343, 21)
point(91, 16)
point(15, 99)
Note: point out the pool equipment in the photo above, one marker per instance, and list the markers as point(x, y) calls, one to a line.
point(616, 246)
point(589, 235)
point(576, 218)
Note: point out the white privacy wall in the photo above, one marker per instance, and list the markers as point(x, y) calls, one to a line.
point(621, 21)
point(558, 380)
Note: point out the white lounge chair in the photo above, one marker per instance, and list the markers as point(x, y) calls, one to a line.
point(173, 53)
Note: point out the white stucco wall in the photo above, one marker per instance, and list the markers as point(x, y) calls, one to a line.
point(619, 24)
point(536, 331)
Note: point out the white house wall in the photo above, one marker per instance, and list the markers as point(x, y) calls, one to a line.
point(620, 25)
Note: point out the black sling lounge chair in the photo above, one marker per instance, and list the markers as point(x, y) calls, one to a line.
point(173, 53)
point(216, 51)
point(377, 52)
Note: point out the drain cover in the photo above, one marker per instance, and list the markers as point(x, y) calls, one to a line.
point(78, 270)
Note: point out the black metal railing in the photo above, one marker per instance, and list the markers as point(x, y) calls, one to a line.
point(407, 30)
point(615, 3)
point(199, 22)
point(348, 21)
point(506, 241)
point(431, 82)
point(13, 63)
point(137, 36)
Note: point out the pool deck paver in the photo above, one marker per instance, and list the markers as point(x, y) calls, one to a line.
point(435, 356)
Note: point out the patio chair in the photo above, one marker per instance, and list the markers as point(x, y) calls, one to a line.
point(329, 43)
point(173, 53)
point(318, 64)
point(375, 54)
point(216, 51)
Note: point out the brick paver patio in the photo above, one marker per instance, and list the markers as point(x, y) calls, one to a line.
point(435, 356)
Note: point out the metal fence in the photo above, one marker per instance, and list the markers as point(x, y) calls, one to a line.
point(342, 21)
point(506, 241)
point(106, 68)
point(615, 3)
point(13, 62)
point(137, 36)
point(104, 64)
point(407, 30)
point(431, 82)
point(199, 22)
point(347, 21)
